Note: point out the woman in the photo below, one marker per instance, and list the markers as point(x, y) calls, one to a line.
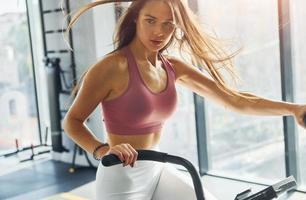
point(136, 86)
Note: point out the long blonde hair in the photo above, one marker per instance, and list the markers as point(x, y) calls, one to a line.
point(204, 49)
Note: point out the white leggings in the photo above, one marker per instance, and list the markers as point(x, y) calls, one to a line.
point(147, 180)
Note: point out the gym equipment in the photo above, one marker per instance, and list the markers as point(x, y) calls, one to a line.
point(31, 147)
point(52, 70)
point(268, 193)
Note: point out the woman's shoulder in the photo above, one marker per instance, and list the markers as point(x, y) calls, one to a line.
point(108, 70)
point(112, 62)
point(176, 65)
point(114, 67)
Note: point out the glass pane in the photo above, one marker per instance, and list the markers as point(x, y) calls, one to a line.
point(179, 134)
point(298, 16)
point(17, 95)
point(242, 145)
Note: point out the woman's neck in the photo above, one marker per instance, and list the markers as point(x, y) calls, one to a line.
point(141, 53)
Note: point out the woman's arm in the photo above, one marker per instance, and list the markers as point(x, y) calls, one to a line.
point(196, 81)
point(95, 87)
point(263, 106)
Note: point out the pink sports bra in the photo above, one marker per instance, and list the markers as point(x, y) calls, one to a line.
point(139, 110)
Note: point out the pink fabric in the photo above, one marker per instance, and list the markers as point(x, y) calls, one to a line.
point(139, 110)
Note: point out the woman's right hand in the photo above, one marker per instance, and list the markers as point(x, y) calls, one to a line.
point(125, 152)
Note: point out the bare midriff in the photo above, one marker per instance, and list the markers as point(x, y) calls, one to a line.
point(144, 141)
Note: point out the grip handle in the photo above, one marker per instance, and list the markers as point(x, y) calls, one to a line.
point(112, 159)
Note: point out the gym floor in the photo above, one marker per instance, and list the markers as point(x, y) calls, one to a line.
point(42, 178)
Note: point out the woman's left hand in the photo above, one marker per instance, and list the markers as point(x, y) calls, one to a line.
point(299, 114)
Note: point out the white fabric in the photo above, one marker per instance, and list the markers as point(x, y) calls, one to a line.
point(148, 180)
point(177, 185)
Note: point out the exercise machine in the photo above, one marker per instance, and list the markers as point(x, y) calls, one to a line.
point(269, 193)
